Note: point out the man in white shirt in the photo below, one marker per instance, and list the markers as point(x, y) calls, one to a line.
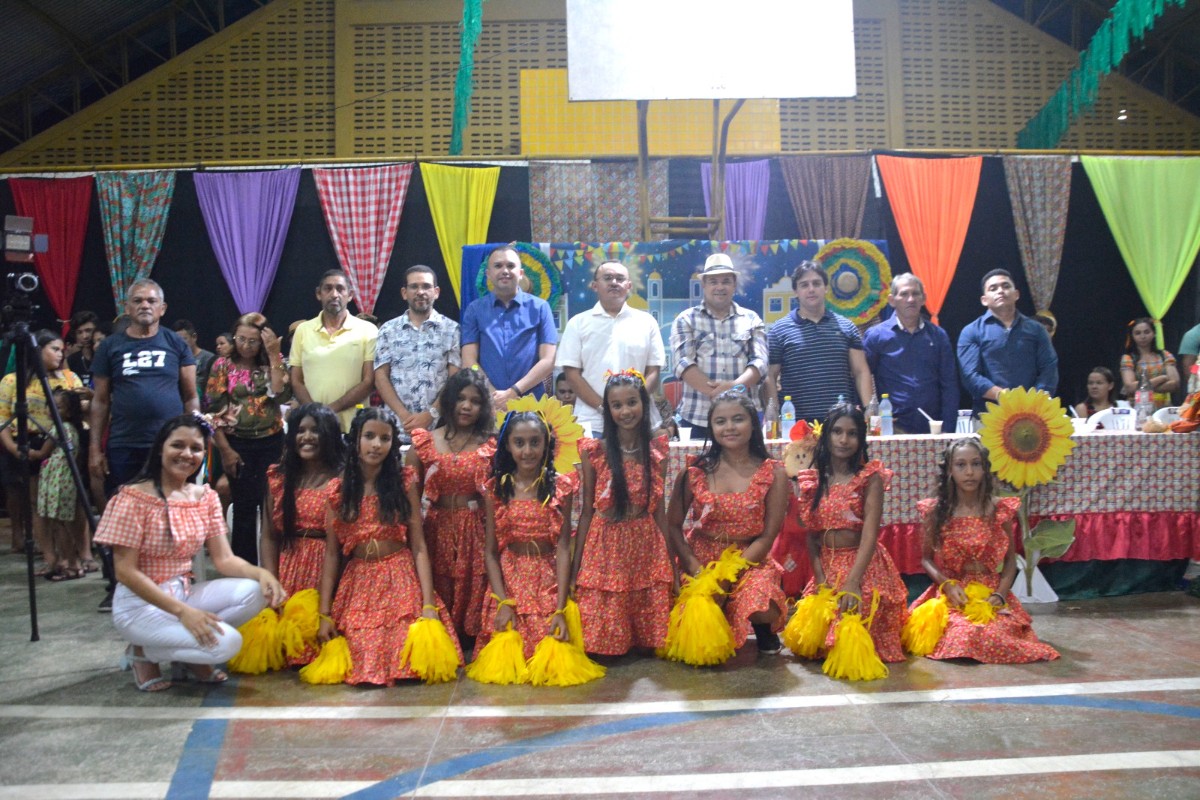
point(609, 336)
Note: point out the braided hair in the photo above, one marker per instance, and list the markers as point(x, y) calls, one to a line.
point(504, 466)
point(389, 483)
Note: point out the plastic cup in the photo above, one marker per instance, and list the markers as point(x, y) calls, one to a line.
point(935, 427)
point(685, 434)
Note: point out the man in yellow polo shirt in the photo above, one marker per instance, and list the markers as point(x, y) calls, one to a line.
point(333, 356)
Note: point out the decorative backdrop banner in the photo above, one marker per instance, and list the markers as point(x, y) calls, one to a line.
point(59, 207)
point(460, 201)
point(133, 210)
point(746, 187)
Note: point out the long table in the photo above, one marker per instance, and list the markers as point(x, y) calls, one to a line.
point(1132, 496)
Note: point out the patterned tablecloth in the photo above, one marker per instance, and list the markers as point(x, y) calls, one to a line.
point(1106, 472)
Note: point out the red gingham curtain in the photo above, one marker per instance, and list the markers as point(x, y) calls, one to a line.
point(362, 210)
point(59, 207)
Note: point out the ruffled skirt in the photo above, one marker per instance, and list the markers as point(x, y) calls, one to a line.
point(300, 568)
point(531, 582)
point(758, 588)
point(881, 575)
point(455, 538)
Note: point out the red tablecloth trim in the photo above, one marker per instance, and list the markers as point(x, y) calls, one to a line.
point(1146, 535)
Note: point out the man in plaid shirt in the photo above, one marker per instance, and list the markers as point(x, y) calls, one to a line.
point(717, 345)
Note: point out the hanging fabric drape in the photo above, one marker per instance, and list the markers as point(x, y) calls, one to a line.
point(1039, 188)
point(1153, 210)
point(247, 216)
point(746, 186)
point(133, 212)
point(460, 201)
point(594, 202)
point(59, 208)
point(828, 194)
point(931, 199)
point(362, 210)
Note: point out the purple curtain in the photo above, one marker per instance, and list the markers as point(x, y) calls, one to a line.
point(746, 184)
point(247, 215)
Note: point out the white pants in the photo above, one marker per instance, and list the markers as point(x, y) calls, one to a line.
point(164, 638)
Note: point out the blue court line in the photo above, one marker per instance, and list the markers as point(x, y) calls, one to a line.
point(197, 765)
point(408, 781)
point(1140, 706)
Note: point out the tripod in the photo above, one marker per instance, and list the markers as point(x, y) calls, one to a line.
point(27, 355)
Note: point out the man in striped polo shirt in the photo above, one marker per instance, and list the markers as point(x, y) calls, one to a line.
point(814, 354)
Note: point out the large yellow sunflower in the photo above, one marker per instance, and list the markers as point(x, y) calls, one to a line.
point(1029, 437)
point(561, 420)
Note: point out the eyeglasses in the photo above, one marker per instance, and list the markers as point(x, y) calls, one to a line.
point(242, 340)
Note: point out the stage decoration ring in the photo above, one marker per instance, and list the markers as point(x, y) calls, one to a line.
point(542, 279)
point(859, 278)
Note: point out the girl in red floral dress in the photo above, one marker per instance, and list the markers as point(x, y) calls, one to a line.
point(969, 538)
point(452, 462)
point(622, 571)
point(374, 520)
point(739, 495)
point(528, 524)
point(841, 504)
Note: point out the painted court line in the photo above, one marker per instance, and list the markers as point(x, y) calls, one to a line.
point(773, 703)
point(647, 784)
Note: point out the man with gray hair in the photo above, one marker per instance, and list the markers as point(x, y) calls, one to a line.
point(913, 361)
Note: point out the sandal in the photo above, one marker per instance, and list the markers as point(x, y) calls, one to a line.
point(156, 683)
point(194, 672)
point(44, 570)
point(90, 565)
point(57, 575)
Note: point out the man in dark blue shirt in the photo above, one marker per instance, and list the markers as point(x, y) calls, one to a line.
point(913, 361)
point(1004, 349)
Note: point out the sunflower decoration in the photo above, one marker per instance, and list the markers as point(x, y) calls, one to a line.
point(859, 276)
point(542, 279)
point(1029, 438)
point(560, 419)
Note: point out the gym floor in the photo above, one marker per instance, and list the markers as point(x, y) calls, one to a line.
point(1117, 717)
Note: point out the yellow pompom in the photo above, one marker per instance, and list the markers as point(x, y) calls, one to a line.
point(556, 663)
point(978, 610)
point(853, 654)
point(574, 623)
point(331, 665)
point(698, 633)
point(729, 565)
point(261, 649)
point(300, 622)
point(925, 626)
point(502, 660)
point(809, 626)
point(430, 652)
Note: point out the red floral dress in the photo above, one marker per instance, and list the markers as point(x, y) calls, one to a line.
point(455, 536)
point(624, 583)
point(377, 600)
point(841, 508)
point(301, 562)
point(738, 518)
point(530, 580)
point(1007, 639)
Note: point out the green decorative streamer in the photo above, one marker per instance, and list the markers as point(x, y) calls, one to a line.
point(1109, 45)
point(472, 25)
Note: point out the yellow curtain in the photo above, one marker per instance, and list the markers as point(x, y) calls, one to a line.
point(460, 200)
point(1153, 210)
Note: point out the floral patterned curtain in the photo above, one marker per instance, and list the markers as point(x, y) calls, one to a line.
point(1039, 188)
point(592, 202)
point(133, 213)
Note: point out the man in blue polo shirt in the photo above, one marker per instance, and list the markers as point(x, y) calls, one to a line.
point(1004, 349)
point(814, 355)
point(913, 361)
point(509, 333)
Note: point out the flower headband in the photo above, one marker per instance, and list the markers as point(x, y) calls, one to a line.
point(205, 423)
point(628, 372)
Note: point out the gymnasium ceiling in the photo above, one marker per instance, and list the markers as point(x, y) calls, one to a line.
point(57, 56)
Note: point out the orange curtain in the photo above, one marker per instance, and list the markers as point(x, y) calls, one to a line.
point(931, 199)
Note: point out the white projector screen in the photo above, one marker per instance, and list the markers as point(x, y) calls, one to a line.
point(709, 49)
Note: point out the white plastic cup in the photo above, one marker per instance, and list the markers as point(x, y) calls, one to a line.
point(685, 433)
point(935, 427)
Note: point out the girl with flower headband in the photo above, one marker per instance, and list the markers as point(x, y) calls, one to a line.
point(451, 463)
point(528, 534)
point(622, 572)
point(841, 504)
point(969, 555)
point(373, 520)
point(739, 495)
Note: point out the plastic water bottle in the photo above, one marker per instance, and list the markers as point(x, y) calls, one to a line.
point(1143, 400)
point(771, 420)
point(872, 415)
point(787, 417)
point(885, 417)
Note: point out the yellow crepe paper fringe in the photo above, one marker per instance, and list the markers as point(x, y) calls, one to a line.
point(556, 663)
point(300, 622)
point(853, 656)
point(261, 646)
point(502, 660)
point(978, 610)
point(925, 626)
point(331, 665)
point(574, 623)
point(698, 632)
point(429, 651)
point(806, 630)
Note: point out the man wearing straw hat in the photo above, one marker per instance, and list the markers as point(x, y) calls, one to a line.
point(716, 345)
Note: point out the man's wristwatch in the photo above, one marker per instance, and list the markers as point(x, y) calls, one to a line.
point(435, 414)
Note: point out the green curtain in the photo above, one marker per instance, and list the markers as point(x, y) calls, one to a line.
point(1153, 209)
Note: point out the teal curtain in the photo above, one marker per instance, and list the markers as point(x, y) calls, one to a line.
point(133, 214)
